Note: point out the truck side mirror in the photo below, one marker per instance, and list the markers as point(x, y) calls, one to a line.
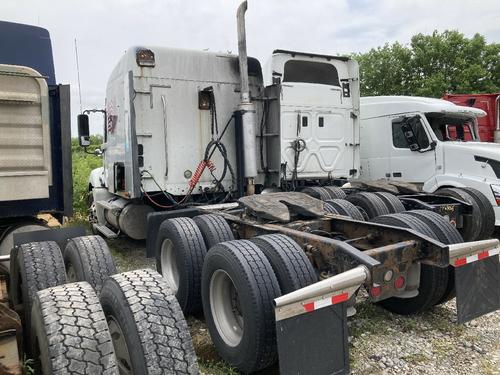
point(410, 137)
point(83, 130)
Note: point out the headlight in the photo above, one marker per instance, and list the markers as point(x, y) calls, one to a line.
point(496, 193)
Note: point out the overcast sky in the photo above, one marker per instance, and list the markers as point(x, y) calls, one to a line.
point(106, 28)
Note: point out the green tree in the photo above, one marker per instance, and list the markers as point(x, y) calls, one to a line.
point(431, 65)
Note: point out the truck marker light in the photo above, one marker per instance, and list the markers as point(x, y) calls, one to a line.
point(376, 290)
point(324, 302)
point(388, 275)
point(473, 258)
point(399, 282)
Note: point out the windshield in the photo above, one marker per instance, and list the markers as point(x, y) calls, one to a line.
point(448, 128)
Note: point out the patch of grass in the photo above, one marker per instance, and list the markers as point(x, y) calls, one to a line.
point(130, 255)
point(415, 358)
point(369, 319)
point(489, 368)
point(440, 318)
point(83, 164)
point(215, 368)
point(442, 347)
point(27, 366)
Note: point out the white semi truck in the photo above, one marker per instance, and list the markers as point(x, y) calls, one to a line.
point(429, 142)
point(170, 111)
point(208, 161)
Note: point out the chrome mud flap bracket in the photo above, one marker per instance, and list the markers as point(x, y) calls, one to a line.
point(311, 325)
point(477, 278)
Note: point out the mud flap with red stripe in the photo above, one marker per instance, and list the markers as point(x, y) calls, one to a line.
point(311, 325)
point(314, 343)
point(477, 283)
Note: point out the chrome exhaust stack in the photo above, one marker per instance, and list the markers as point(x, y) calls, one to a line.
point(246, 107)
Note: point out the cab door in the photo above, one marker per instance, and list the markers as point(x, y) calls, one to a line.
point(412, 160)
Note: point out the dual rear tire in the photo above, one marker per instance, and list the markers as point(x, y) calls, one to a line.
point(182, 246)
point(481, 224)
point(238, 283)
point(436, 284)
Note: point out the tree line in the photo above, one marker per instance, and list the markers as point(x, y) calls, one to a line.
point(431, 65)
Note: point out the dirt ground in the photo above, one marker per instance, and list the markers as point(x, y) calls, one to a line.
point(379, 342)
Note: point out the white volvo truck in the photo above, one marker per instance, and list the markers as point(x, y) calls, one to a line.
point(430, 142)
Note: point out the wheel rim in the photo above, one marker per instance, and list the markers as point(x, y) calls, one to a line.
point(120, 346)
point(169, 264)
point(225, 308)
point(71, 274)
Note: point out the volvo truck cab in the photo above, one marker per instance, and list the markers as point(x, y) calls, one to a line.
point(430, 142)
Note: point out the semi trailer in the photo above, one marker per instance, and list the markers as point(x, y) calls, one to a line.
point(35, 135)
point(489, 125)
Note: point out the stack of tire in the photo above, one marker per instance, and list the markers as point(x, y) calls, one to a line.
point(80, 317)
point(233, 282)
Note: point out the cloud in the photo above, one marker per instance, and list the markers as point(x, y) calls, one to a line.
point(106, 28)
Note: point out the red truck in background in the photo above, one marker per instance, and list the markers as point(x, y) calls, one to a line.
point(489, 126)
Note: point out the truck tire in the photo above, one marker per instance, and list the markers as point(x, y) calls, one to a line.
point(488, 214)
point(345, 208)
point(335, 192)
point(391, 201)
point(148, 329)
point(7, 238)
point(238, 290)
point(317, 192)
point(472, 227)
point(70, 334)
point(369, 203)
point(88, 258)
point(214, 229)
point(447, 234)
point(330, 209)
point(179, 258)
point(289, 262)
point(433, 280)
point(35, 266)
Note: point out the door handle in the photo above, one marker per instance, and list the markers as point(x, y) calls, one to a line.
point(397, 174)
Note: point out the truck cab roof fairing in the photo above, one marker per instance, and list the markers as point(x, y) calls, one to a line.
point(27, 45)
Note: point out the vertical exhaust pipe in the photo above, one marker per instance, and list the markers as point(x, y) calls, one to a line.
point(242, 52)
point(246, 107)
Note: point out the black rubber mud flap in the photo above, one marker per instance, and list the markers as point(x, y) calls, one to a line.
point(477, 286)
point(314, 343)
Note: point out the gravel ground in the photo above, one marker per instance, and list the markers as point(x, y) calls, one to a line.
point(380, 342)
